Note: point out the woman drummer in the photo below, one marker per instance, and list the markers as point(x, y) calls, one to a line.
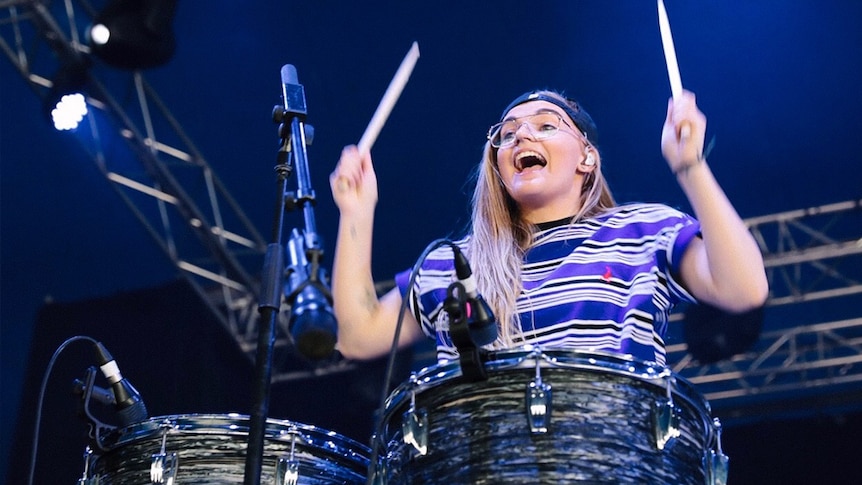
point(561, 265)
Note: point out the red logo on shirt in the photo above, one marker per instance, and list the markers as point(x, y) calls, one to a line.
point(607, 275)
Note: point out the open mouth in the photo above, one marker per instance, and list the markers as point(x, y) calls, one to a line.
point(529, 159)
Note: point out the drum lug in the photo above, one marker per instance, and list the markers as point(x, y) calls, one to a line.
point(287, 470)
point(666, 420)
point(538, 403)
point(716, 462)
point(163, 467)
point(414, 427)
point(86, 479)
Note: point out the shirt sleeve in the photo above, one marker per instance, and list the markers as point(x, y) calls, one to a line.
point(685, 229)
point(427, 296)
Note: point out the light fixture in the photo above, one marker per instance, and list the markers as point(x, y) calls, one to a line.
point(134, 34)
point(69, 111)
point(65, 104)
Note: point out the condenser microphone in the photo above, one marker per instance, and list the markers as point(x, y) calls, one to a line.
point(481, 321)
point(127, 400)
point(312, 322)
point(292, 91)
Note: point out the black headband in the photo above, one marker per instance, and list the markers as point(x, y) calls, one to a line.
point(579, 117)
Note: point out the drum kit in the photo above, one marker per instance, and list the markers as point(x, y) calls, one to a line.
point(540, 416)
point(528, 415)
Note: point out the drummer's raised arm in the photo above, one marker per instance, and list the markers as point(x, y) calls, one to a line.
point(366, 324)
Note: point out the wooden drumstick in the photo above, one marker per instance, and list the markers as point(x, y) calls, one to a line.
point(389, 99)
point(670, 60)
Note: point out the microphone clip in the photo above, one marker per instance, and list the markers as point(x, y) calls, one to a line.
point(98, 429)
point(471, 356)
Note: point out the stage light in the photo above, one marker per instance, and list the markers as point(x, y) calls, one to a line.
point(69, 111)
point(66, 104)
point(134, 34)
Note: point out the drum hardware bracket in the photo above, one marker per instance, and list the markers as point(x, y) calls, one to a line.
point(414, 424)
point(85, 478)
point(163, 467)
point(98, 429)
point(470, 356)
point(287, 470)
point(538, 402)
point(715, 461)
point(666, 419)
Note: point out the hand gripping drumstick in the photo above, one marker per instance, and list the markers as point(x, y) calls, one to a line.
point(670, 60)
point(389, 99)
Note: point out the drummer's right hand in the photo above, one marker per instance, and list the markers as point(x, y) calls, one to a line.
point(353, 182)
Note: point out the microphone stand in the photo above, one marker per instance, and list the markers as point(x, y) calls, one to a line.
point(293, 145)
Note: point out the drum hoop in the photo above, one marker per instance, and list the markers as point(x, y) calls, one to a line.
point(595, 361)
point(233, 424)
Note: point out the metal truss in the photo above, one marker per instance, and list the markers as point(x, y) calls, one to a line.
point(157, 171)
point(811, 255)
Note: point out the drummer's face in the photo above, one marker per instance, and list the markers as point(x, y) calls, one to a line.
point(542, 165)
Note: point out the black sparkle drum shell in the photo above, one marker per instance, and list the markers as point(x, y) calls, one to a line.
point(601, 427)
point(210, 449)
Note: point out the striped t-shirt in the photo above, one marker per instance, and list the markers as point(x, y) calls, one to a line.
point(602, 284)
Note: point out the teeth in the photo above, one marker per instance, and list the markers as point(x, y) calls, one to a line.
point(527, 154)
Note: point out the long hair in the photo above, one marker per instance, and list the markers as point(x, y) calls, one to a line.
point(500, 237)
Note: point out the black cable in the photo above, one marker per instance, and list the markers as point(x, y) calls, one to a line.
point(42, 398)
point(390, 365)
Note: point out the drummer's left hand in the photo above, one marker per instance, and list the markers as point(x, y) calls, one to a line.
point(683, 133)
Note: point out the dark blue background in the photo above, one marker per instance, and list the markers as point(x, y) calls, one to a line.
point(779, 81)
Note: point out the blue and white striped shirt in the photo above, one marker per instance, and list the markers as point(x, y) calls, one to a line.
point(601, 284)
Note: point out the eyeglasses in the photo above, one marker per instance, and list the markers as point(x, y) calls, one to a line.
point(541, 126)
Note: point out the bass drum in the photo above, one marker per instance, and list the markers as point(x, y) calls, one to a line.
point(209, 449)
point(546, 417)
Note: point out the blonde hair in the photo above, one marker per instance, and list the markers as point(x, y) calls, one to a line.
point(500, 237)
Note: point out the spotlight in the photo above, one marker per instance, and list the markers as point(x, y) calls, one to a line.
point(134, 34)
point(69, 111)
point(65, 103)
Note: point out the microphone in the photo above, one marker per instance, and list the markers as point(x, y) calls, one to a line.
point(293, 92)
point(127, 400)
point(312, 323)
point(481, 321)
point(293, 95)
